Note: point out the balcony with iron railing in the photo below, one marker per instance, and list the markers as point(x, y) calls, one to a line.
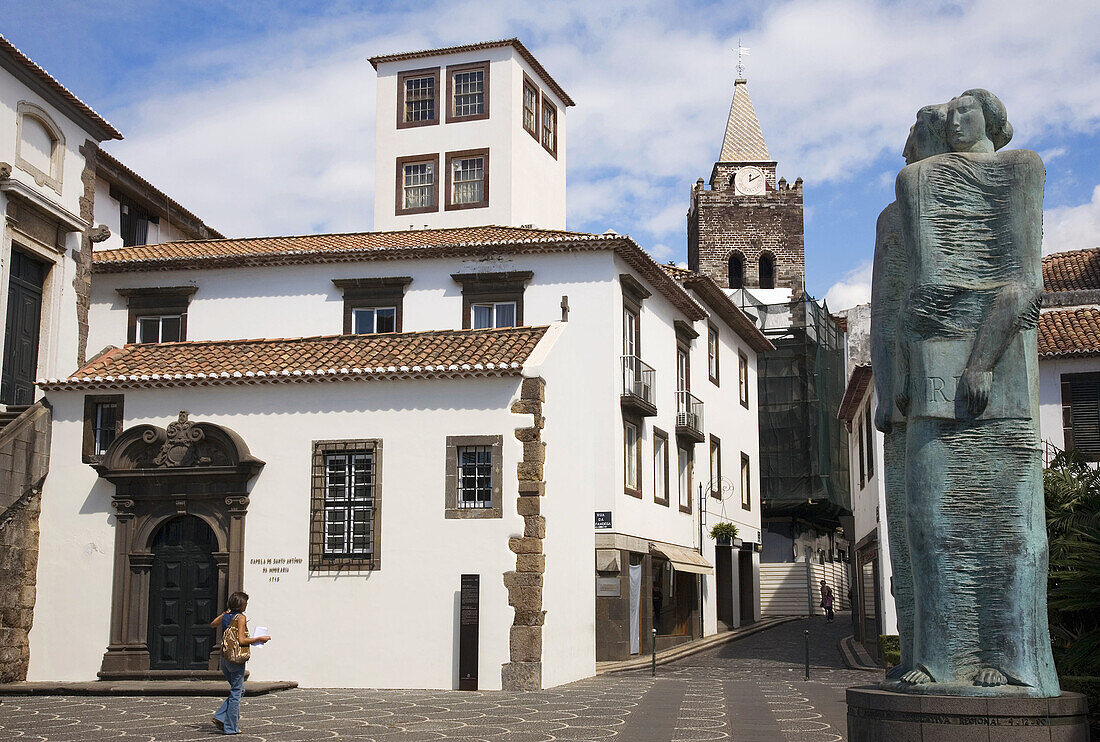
point(689, 417)
point(639, 380)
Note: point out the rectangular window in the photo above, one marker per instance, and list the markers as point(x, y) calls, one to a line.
point(133, 223)
point(549, 127)
point(862, 455)
point(712, 353)
point(468, 92)
point(102, 424)
point(660, 467)
point(870, 431)
point(467, 179)
point(743, 378)
point(715, 467)
point(473, 476)
point(377, 319)
point(530, 107)
point(683, 465)
point(497, 314)
point(683, 370)
point(417, 184)
point(162, 329)
point(418, 96)
point(631, 459)
point(746, 483)
point(345, 505)
point(1081, 414)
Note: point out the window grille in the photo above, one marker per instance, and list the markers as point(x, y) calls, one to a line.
point(349, 504)
point(468, 180)
point(419, 178)
point(419, 98)
point(104, 426)
point(469, 91)
point(475, 476)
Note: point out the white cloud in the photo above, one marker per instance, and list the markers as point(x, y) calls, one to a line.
point(853, 289)
point(1072, 227)
point(277, 134)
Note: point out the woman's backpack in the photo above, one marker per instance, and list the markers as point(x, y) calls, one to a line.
point(232, 651)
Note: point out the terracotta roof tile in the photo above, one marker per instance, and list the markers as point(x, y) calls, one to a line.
point(516, 44)
point(326, 358)
point(1065, 332)
point(309, 248)
point(854, 393)
point(1074, 270)
point(36, 74)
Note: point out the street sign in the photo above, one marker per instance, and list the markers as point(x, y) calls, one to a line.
point(603, 519)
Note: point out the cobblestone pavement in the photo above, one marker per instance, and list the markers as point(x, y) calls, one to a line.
point(751, 690)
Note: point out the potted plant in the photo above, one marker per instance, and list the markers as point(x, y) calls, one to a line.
point(724, 533)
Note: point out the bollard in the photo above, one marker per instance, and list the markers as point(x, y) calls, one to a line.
point(807, 654)
point(655, 653)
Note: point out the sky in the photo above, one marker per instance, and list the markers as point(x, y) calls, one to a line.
point(259, 115)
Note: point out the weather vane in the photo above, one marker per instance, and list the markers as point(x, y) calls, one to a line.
point(742, 52)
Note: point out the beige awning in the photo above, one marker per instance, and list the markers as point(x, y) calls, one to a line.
point(683, 559)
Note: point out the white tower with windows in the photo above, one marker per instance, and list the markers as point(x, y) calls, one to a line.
point(469, 135)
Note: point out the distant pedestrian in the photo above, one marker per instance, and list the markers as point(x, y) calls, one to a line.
point(827, 600)
point(227, 717)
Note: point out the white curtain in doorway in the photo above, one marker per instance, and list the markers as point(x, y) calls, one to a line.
point(635, 606)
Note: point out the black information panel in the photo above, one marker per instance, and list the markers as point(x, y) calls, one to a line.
point(467, 632)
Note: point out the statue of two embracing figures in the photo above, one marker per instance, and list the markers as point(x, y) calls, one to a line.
point(955, 305)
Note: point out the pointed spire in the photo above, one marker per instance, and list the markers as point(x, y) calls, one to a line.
point(744, 141)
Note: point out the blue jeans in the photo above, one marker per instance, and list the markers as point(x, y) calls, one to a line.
point(229, 713)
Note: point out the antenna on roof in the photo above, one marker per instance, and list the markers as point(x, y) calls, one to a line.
point(742, 52)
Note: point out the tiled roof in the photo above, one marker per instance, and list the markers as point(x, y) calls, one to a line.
point(1074, 270)
point(1069, 332)
point(743, 141)
point(20, 64)
point(445, 353)
point(514, 43)
point(318, 247)
point(720, 303)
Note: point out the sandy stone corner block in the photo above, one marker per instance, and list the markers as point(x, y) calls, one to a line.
point(527, 435)
point(533, 389)
point(531, 563)
point(529, 618)
point(527, 407)
point(529, 472)
point(521, 676)
point(534, 452)
point(530, 487)
point(525, 643)
point(528, 505)
point(525, 545)
point(534, 526)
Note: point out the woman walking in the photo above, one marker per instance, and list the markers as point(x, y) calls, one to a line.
point(827, 600)
point(227, 716)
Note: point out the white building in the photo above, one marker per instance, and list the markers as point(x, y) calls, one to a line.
point(387, 412)
point(468, 135)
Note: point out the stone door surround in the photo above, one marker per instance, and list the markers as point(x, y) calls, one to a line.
point(187, 468)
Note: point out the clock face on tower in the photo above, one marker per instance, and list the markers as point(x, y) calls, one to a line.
point(749, 181)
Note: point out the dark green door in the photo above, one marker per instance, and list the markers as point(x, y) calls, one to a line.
point(183, 592)
point(21, 331)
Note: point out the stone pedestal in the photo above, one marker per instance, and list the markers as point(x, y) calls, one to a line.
point(876, 715)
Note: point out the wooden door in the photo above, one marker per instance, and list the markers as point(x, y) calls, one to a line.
point(723, 578)
point(183, 592)
point(21, 331)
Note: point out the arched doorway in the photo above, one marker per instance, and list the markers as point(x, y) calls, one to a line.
point(183, 595)
point(736, 270)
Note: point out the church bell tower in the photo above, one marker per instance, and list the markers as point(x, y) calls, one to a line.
point(745, 228)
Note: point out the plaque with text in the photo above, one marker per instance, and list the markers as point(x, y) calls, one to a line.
point(468, 611)
point(603, 519)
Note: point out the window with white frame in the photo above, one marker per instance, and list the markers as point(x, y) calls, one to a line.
point(374, 320)
point(530, 107)
point(660, 466)
point(418, 186)
point(869, 431)
point(493, 314)
point(160, 329)
point(715, 467)
point(743, 378)
point(549, 128)
point(469, 92)
point(474, 472)
point(712, 353)
point(467, 179)
point(418, 92)
point(631, 459)
point(345, 504)
point(683, 462)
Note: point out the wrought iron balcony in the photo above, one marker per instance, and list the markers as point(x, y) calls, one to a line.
point(639, 380)
point(689, 416)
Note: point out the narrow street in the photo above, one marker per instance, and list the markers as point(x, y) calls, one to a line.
point(752, 690)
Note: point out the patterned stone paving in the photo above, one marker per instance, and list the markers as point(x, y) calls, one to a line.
point(749, 691)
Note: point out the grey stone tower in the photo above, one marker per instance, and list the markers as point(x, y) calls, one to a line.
point(745, 229)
